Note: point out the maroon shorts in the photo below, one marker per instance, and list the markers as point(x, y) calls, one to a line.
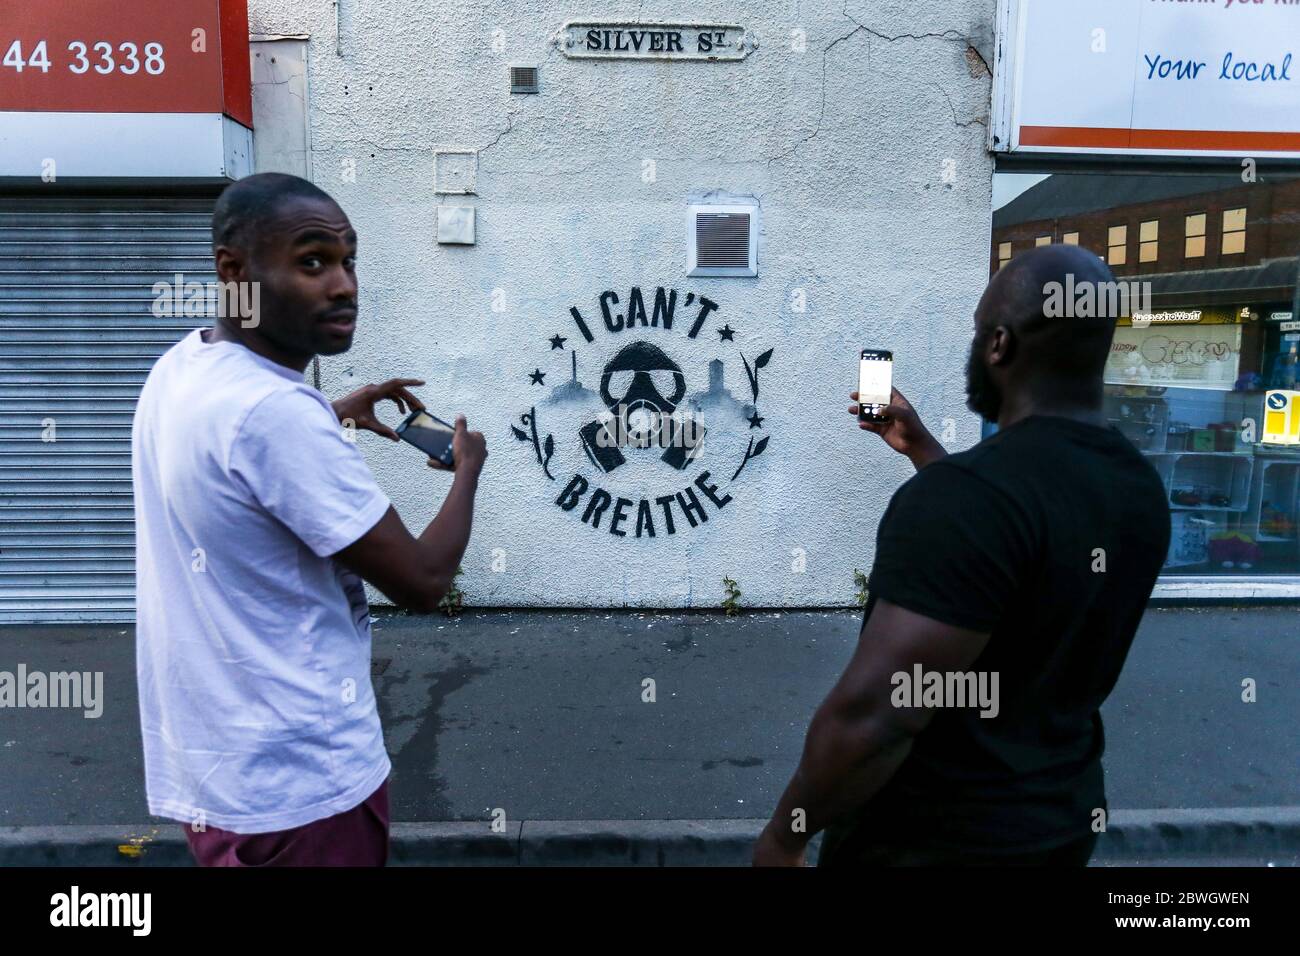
point(356, 837)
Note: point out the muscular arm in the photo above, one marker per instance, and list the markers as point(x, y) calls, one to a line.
point(857, 739)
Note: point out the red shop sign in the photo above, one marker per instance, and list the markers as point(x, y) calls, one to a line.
point(137, 56)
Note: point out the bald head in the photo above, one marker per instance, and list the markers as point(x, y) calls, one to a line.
point(1043, 329)
point(1018, 295)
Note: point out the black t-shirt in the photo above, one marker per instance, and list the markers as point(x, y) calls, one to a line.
point(1005, 538)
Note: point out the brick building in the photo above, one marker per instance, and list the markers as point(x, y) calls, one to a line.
point(1188, 383)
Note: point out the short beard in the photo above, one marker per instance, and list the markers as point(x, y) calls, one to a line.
point(327, 350)
point(983, 397)
point(298, 338)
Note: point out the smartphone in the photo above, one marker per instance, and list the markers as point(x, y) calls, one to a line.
point(875, 384)
point(429, 434)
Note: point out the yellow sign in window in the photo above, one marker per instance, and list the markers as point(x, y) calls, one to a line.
point(1281, 418)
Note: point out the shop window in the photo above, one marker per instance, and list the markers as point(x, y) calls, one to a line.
point(1070, 239)
point(1004, 253)
point(1194, 236)
point(1208, 386)
point(1234, 231)
point(1117, 245)
point(1149, 241)
point(1043, 241)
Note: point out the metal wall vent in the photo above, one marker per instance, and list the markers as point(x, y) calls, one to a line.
point(523, 79)
point(722, 241)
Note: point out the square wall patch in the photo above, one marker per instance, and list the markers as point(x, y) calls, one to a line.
point(455, 171)
point(456, 225)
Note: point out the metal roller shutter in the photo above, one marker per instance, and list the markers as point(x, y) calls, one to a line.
point(77, 338)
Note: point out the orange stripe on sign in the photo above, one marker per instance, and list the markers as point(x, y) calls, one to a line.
point(1192, 139)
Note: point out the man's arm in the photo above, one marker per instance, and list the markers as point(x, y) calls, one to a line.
point(416, 572)
point(857, 739)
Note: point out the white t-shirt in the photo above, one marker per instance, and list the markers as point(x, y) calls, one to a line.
point(252, 645)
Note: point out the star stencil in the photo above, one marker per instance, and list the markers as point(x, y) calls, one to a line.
point(755, 420)
point(557, 342)
point(538, 377)
point(726, 332)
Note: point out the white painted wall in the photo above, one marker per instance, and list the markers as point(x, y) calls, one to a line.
point(842, 145)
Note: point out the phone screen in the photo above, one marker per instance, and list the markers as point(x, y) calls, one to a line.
point(429, 434)
point(875, 380)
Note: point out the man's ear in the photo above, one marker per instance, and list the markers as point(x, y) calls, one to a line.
point(231, 264)
point(1001, 347)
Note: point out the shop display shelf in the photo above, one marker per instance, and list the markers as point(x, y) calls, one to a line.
point(1145, 425)
point(1200, 454)
point(1224, 472)
point(1277, 485)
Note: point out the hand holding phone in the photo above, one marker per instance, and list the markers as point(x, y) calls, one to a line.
point(449, 448)
point(357, 409)
point(901, 429)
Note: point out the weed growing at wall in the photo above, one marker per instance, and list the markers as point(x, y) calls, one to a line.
point(453, 602)
point(731, 603)
point(860, 582)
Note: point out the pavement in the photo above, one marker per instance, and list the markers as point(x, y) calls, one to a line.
point(541, 715)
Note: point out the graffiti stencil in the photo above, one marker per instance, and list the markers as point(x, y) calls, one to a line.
point(633, 441)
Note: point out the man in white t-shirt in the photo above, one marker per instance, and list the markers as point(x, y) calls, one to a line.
point(256, 520)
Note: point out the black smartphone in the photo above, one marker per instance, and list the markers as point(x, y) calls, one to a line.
point(429, 434)
point(875, 384)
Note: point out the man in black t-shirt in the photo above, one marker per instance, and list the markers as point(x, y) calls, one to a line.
point(1008, 583)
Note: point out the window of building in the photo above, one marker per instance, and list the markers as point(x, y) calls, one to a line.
point(1043, 241)
point(1234, 231)
point(1194, 232)
point(1149, 241)
point(1117, 245)
point(1070, 239)
point(1212, 344)
point(1004, 253)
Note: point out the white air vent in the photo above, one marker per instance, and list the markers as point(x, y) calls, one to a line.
point(722, 240)
point(523, 79)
